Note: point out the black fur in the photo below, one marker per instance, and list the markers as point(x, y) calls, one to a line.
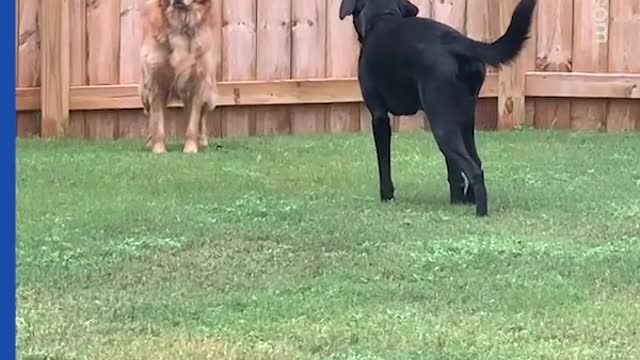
point(409, 64)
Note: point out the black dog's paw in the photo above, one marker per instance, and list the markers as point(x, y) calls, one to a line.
point(470, 197)
point(387, 195)
point(482, 211)
point(459, 197)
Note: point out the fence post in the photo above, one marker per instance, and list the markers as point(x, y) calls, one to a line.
point(511, 78)
point(54, 66)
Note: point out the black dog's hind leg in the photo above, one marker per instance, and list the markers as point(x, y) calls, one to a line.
point(382, 136)
point(473, 74)
point(460, 189)
point(448, 109)
point(470, 145)
point(458, 185)
point(451, 143)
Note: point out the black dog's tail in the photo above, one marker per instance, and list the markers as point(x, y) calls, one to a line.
point(509, 45)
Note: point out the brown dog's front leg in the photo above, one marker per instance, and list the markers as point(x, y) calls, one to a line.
point(156, 123)
point(195, 123)
point(204, 135)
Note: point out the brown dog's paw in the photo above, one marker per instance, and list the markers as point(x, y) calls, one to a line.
point(203, 141)
point(190, 147)
point(159, 148)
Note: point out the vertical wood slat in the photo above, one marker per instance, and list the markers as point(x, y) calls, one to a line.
point(419, 120)
point(28, 61)
point(103, 62)
point(481, 25)
point(214, 118)
point(78, 60)
point(529, 60)
point(308, 54)
point(273, 61)
point(341, 61)
point(511, 80)
point(451, 12)
point(131, 123)
point(54, 89)
point(239, 60)
point(624, 47)
point(590, 54)
point(554, 45)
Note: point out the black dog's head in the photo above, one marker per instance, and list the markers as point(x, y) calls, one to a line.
point(364, 12)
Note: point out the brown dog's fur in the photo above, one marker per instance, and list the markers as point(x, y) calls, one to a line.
point(178, 60)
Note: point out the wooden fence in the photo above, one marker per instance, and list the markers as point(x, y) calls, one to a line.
point(288, 66)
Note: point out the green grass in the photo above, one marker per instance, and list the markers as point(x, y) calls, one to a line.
point(278, 248)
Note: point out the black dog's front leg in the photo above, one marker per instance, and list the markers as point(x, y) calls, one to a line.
point(382, 137)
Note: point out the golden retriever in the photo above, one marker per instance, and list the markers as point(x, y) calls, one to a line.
point(178, 60)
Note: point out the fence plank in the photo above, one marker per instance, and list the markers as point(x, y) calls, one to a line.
point(131, 123)
point(239, 60)
point(28, 65)
point(274, 61)
point(54, 32)
point(482, 25)
point(554, 46)
point(624, 47)
point(451, 12)
point(103, 45)
point(214, 118)
point(511, 80)
point(78, 59)
point(529, 61)
point(308, 54)
point(590, 54)
point(342, 61)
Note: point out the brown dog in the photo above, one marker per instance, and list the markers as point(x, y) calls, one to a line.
point(178, 60)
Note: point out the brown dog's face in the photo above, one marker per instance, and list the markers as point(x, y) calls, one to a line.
point(189, 11)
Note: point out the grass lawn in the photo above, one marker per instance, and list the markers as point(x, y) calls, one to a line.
point(278, 248)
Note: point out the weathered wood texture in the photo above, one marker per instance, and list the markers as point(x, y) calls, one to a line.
point(28, 61)
point(554, 45)
point(289, 67)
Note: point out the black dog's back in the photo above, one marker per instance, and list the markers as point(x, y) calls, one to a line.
point(397, 50)
point(427, 54)
point(429, 37)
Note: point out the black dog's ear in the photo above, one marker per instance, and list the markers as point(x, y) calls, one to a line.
point(347, 8)
point(408, 9)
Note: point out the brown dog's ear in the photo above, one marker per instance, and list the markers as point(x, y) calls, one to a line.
point(408, 9)
point(347, 8)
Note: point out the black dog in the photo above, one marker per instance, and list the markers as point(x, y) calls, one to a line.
point(409, 63)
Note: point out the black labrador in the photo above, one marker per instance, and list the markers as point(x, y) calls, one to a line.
point(408, 63)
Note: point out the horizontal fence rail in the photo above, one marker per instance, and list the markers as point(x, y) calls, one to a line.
point(335, 91)
point(289, 66)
